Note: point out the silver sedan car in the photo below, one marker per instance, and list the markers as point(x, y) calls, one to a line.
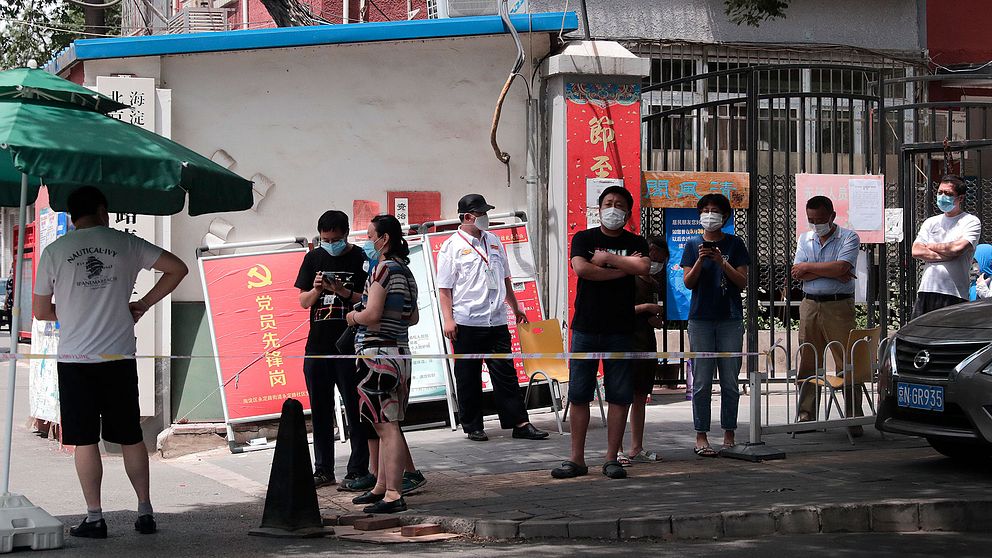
point(935, 380)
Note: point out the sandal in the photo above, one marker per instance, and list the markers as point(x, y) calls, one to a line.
point(623, 459)
point(706, 451)
point(569, 470)
point(614, 470)
point(645, 456)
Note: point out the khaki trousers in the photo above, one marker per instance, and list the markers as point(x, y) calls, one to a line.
point(819, 324)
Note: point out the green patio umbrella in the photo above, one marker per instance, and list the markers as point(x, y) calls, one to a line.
point(28, 83)
point(55, 132)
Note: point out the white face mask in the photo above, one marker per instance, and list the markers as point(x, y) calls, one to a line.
point(612, 218)
point(711, 222)
point(821, 229)
point(482, 222)
point(656, 268)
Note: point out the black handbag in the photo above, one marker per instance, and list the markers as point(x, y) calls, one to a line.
point(346, 343)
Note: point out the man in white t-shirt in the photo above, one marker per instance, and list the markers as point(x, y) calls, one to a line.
point(85, 281)
point(946, 244)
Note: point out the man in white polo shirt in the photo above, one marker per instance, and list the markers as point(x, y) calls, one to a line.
point(473, 279)
point(946, 244)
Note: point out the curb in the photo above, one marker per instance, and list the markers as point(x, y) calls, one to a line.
point(894, 516)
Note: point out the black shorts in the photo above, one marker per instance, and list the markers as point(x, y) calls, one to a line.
point(97, 398)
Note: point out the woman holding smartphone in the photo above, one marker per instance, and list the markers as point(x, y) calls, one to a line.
point(715, 266)
point(384, 316)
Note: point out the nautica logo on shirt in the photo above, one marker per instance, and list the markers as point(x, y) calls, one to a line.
point(92, 250)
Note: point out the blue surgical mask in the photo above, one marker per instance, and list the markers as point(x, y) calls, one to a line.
point(335, 248)
point(945, 203)
point(371, 252)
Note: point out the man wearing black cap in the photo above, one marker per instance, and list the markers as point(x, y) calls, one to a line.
point(473, 279)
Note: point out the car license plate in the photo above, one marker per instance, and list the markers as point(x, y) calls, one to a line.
point(917, 396)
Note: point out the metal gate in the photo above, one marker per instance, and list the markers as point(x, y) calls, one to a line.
point(774, 121)
point(925, 141)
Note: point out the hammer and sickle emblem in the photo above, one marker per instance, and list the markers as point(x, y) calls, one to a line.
point(259, 276)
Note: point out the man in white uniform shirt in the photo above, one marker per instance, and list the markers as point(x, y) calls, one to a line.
point(946, 244)
point(85, 281)
point(473, 279)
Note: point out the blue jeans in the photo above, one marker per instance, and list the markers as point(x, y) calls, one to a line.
point(617, 377)
point(715, 336)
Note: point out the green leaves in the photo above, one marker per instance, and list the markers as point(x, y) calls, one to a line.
point(753, 12)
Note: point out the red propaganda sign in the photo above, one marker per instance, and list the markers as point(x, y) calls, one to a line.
point(259, 331)
point(604, 149)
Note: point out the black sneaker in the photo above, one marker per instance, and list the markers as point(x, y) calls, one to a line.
point(90, 529)
point(320, 478)
point(383, 506)
point(145, 524)
point(529, 432)
point(478, 436)
point(360, 484)
point(412, 481)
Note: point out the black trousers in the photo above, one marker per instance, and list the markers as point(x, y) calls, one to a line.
point(321, 376)
point(928, 302)
point(468, 377)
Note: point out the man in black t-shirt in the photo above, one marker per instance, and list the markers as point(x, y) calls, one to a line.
point(606, 259)
point(331, 280)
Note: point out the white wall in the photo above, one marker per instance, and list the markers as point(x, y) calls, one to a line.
point(876, 24)
point(334, 123)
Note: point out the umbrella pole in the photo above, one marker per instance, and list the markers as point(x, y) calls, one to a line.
point(20, 520)
point(15, 324)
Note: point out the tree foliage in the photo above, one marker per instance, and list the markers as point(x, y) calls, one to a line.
point(753, 12)
point(39, 29)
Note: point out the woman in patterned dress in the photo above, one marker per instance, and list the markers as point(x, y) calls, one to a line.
point(384, 316)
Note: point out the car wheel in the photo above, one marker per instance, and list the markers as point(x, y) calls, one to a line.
point(964, 451)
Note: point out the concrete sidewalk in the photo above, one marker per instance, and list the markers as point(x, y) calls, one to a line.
point(503, 488)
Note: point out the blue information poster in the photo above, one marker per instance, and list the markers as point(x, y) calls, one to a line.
point(681, 224)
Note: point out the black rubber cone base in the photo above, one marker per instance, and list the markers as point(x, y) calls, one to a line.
point(291, 508)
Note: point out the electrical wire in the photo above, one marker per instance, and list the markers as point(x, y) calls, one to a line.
point(109, 4)
point(52, 28)
point(503, 156)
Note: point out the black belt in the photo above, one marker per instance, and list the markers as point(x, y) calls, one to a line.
point(828, 298)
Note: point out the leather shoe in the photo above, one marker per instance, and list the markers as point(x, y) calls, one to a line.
point(90, 529)
point(367, 498)
point(145, 524)
point(383, 506)
point(478, 436)
point(529, 432)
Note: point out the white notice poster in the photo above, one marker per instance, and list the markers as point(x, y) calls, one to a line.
point(866, 204)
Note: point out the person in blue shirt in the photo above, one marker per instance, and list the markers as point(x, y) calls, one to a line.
point(715, 265)
point(826, 258)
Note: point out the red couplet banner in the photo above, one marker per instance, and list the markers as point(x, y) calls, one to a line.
point(259, 331)
point(604, 149)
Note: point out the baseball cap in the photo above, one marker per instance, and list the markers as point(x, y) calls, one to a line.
point(473, 203)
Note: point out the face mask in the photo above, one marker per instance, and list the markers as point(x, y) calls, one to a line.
point(821, 229)
point(945, 203)
point(371, 252)
point(711, 222)
point(612, 218)
point(482, 222)
point(656, 268)
point(335, 248)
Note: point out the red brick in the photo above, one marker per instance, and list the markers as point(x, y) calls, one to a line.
point(377, 523)
point(351, 519)
point(421, 530)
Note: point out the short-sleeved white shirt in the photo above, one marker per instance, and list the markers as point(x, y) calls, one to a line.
point(461, 268)
point(91, 273)
point(951, 277)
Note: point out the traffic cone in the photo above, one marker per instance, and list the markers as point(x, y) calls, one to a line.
point(291, 508)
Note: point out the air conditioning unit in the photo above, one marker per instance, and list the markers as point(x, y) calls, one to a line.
point(437, 9)
point(198, 20)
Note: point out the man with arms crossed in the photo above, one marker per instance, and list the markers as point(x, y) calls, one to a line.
point(946, 244)
point(90, 272)
point(606, 259)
